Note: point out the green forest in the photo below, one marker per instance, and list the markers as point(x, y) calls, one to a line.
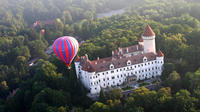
point(48, 86)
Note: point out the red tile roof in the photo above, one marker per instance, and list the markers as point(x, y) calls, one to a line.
point(160, 54)
point(148, 31)
point(132, 49)
point(77, 59)
point(118, 62)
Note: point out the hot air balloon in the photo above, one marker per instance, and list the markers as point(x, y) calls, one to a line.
point(66, 49)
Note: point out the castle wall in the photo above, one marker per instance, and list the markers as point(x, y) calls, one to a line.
point(95, 81)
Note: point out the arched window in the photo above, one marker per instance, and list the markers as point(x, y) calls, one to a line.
point(145, 59)
point(111, 66)
point(128, 62)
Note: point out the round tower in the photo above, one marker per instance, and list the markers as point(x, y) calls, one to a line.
point(149, 40)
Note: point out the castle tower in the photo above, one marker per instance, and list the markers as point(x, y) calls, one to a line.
point(149, 40)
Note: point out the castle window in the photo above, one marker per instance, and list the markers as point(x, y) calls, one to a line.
point(99, 80)
point(91, 83)
point(95, 88)
point(152, 62)
point(117, 70)
point(141, 64)
point(121, 75)
point(135, 66)
point(106, 72)
point(104, 84)
point(107, 78)
point(113, 82)
point(98, 74)
point(145, 59)
point(112, 71)
point(119, 80)
point(128, 62)
point(138, 65)
point(155, 61)
point(111, 66)
point(148, 63)
point(142, 70)
point(113, 77)
point(103, 73)
point(120, 69)
point(139, 71)
point(118, 76)
point(103, 79)
point(145, 64)
point(124, 68)
point(152, 68)
point(108, 83)
point(93, 77)
point(149, 69)
point(90, 77)
point(136, 72)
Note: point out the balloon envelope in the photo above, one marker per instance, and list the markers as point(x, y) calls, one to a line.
point(66, 48)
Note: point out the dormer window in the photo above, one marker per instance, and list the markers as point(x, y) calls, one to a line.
point(111, 66)
point(145, 59)
point(128, 62)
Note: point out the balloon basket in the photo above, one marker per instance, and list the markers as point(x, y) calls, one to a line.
point(68, 67)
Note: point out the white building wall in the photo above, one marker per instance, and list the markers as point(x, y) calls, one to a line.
point(149, 44)
point(95, 81)
point(78, 68)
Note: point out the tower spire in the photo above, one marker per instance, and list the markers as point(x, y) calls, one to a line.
point(148, 31)
point(149, 40)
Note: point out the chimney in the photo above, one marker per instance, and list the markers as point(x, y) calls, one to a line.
point(86, 56)
point(97, 58)
point(120, 50)
point(127, 49)
point(137, 47)
point(112, 52)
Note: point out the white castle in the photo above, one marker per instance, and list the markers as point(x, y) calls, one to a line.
point(140, 61)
